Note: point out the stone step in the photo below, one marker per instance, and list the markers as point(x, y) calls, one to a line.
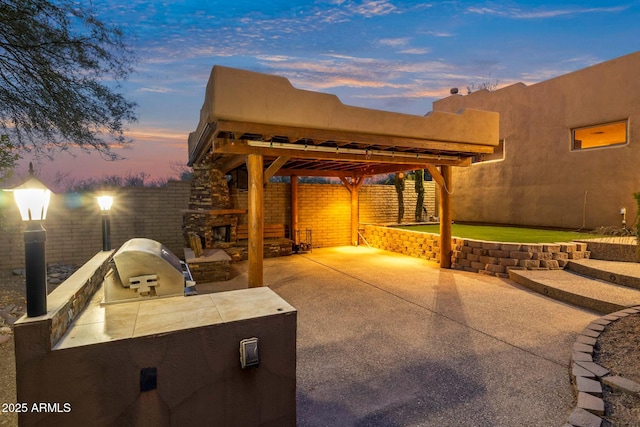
point(572, 288)
point(620, 273)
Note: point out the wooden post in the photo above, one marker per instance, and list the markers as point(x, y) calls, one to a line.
point(355, 217)
point(353, 185)
point(445, 216)
point(294, 210)
point(255, 166)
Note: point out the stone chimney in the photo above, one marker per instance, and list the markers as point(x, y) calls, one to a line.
point(211, 215)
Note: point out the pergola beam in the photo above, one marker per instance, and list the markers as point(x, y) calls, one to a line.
point(435, 174)
point(232, 162)
point(298, 133)
point(314, 172)
point(274, 167)
point(226, 146)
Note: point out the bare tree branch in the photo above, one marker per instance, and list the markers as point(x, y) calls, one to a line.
point(60, 71)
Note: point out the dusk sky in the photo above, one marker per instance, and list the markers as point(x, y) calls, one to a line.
point(385, 54)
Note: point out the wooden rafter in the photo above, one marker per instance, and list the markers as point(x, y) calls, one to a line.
point(230, 147)
point(319, 136)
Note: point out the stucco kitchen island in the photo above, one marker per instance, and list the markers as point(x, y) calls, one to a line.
point(166, 361)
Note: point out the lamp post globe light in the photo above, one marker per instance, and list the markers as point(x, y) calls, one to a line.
point(105, 203)
point(32, 198)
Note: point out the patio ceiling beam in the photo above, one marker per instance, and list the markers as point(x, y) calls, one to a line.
point(315, 172)
point(298, 133)
point(273, 149)
point(386, 169)
point(230, 163)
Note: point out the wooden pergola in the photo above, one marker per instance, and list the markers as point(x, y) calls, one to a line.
point(275, 129)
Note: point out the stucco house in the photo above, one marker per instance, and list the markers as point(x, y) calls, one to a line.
point(569, 155)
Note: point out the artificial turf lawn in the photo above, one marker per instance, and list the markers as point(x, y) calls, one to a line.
point(504, 234)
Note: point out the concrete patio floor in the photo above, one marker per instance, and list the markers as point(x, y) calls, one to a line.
point(389, 340)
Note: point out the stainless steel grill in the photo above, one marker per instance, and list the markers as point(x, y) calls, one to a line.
point(144, 269)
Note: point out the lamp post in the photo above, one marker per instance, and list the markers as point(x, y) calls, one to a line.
point(32, 198)
point(105, 203)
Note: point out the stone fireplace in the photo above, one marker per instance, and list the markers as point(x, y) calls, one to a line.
point(211, 215)
point(221, 234)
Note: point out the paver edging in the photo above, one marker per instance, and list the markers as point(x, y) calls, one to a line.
point(588, 377)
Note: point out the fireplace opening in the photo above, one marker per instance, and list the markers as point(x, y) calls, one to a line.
point(222, 234)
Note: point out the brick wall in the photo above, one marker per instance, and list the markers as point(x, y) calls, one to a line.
point(74, 232)
point(326, 208)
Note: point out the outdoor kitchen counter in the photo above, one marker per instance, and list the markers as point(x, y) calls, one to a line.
point(103, 323)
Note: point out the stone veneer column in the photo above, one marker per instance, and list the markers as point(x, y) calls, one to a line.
point(209, 191)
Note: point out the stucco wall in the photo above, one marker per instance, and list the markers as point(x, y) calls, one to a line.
point(542, 181)
point(74, 231)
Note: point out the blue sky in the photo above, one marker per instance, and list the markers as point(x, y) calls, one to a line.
point(392, 55)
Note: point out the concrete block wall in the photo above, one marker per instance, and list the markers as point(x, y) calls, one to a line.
point(323, 208)
point(491, 258)
point(326, 208)
point(379, 203)
point(74, 232)
point(277, 209)
point(74, 223)
point(154, 213)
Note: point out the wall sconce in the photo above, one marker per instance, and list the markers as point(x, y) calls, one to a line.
point(32, 198)
point(105, 203)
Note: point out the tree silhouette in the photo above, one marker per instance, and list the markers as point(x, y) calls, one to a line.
point(60, 69)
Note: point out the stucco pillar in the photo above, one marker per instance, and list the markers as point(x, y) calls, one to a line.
point(255, 164)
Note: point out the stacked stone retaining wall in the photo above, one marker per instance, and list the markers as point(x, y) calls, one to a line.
point(492, 258)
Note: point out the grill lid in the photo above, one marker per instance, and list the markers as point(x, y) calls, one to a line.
point(143, 268)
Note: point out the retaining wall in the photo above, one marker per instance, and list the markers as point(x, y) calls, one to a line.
point(492, 258)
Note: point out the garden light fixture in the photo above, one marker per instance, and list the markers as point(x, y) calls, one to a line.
point(105, 203)
point(32, 198)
